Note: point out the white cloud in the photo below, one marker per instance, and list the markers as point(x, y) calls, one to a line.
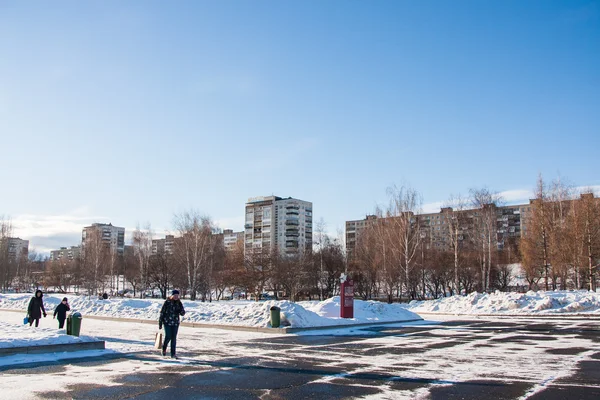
point(516, 195)
point(235, 223)
point(46, 232)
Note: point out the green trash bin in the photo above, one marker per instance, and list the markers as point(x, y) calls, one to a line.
point(75, 323)
point(68, 324)
point(275, 317)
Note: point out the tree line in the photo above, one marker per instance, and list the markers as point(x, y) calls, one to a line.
point(399, 255)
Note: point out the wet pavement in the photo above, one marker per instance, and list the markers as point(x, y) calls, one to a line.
point(469, 359)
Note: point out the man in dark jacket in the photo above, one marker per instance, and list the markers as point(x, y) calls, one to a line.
point(169, 317)
point(36, 308)
point(61, 310)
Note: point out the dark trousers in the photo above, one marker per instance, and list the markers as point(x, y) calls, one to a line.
point(37, 321)
point(61, 323)
point(170, 336)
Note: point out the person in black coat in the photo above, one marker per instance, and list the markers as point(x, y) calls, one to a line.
point(36, 308)
point(169, 317)
point(61, 311)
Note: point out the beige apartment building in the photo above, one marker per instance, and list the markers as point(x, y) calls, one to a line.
point(275, 223)
point(435, 232)
point(112, 237)
point(16, 248)
point(65, 253)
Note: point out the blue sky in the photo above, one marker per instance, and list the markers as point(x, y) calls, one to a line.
point(130, 112)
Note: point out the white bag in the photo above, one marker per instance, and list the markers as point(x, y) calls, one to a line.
point(158, 341)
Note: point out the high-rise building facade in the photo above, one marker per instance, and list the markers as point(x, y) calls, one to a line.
point(231, 238)
point(16, 248)
point(274, 223)
point(163, 246)
point(65, 253)
point(434, 228)
point(111, 236)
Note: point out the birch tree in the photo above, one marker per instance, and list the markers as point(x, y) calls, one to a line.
point(455, 219)
point(142, 248)
point(405, 203)
point(194, 245)
point(485, 230)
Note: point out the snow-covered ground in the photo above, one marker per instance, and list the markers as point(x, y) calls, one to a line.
point(500, 303)
point(126, 338)
point(298, 315)
point(238, 313)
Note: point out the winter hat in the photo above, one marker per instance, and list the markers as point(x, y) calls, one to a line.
point(65, 299)
point(174, 292)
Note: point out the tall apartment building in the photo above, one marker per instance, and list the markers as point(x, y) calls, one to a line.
point(434, 229)
point(65, 253)
point(111, 236)
point(274, 223)
point(231, 238)
point(16, 248)
point(163, 246)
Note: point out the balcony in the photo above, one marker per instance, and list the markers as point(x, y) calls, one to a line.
point(292, 222)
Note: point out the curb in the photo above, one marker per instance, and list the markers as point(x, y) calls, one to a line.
point(53, 348)
point(246, 328)
point(520, 316)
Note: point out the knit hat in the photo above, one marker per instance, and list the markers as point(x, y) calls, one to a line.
point(174, 292)
point(65, 299)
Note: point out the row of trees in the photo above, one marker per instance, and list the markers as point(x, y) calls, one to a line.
point(399, 254)
point(200, 266)
point(561, 245)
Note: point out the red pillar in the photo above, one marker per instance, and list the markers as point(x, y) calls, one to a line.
point(347, 299)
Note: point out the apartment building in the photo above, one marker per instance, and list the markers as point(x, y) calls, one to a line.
point(111, 236)
point(65, 253)
point(16, 248)
point(281, 224)
point(435, 231)
point(163, 246)
point(231, 238)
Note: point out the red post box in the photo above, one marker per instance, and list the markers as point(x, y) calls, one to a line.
point(346, 297)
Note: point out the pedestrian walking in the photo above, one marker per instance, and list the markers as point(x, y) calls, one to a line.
point(61, 311)
point(169, 318)
point(36, 308)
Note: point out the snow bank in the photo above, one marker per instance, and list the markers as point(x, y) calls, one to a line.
point(23, 335)
point(544, 303)
point(238, 313)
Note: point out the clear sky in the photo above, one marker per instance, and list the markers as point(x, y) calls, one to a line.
point(131, 111)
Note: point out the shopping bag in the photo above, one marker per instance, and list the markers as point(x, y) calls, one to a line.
point(25, 320)
point(158, 341)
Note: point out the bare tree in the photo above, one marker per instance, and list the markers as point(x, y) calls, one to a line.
point(6, 264)
point(485, 235)
point(142, 247)
point(405, 203)
point(95, 253)
point(589, 220)
point(194, 246)
point(456, 220)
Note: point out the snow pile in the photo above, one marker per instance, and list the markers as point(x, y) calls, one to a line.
point(238, 313)
point(550, 302)
point(24, 335)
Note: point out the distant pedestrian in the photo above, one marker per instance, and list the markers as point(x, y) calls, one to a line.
point(61, 311)
point(169, 317)
point(36, 308)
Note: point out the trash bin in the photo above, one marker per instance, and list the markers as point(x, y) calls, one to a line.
point(275, 317)
point(75, 323)
point(69, 324)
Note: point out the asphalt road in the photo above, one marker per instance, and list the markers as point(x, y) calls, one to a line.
point(460, 359)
